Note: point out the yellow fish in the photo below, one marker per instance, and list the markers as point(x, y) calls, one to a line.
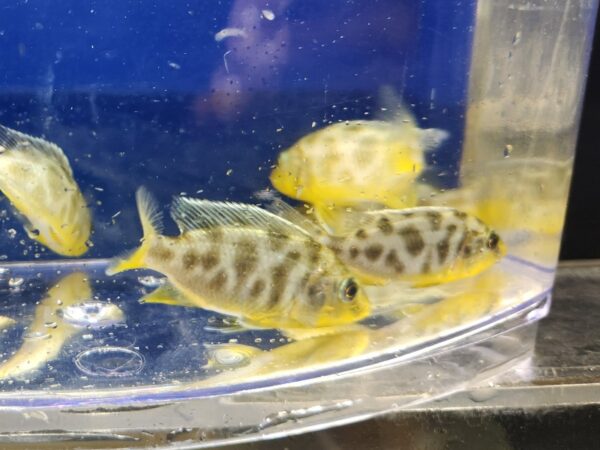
point(47, 333)
point(247, 362)
point(243, 261)
point(36, 177)
point(421, 246)
point(6, 322)
point(356, 163)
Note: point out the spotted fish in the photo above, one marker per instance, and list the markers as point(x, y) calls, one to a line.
point(37, 178)
point(421, 246)
point(246, 262)
point(357, 163)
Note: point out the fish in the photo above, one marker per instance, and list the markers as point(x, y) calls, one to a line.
point(37, 179)
point(243, 261)
point(421, 246)
point(357, 164)
point(234, 362)
point(47, 333)
point(6, 322)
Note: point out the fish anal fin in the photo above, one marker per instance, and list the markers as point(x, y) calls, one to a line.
point(167, 294)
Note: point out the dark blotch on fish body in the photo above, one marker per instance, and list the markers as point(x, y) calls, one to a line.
point(209, 260)
point(361, 234)
point(373, 252)
point(218, 281)
point(190, 260)
point(392, 260)
point(385, 225)
point(161, 252)
point(436, 220)
point(413, 240)
point(279, 279)
point(257, 288)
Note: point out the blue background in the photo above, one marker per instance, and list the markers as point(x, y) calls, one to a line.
point(137, 92)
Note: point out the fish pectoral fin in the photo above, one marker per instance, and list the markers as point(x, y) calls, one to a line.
point(168, 295)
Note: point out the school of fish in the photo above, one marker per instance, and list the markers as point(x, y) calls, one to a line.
point(304, 273)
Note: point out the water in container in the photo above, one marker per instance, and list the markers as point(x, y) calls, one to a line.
point(207, 198)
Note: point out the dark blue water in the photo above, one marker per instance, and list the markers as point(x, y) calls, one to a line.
point(141, 93)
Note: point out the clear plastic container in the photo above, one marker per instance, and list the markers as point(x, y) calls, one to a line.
point(431, 105)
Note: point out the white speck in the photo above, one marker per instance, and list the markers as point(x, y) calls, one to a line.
point(11, 233)
point(225, 60)
point(15, 282)
point(115, 215)
point(87, 337)
point(314, 124)
point(268, 14)
point(151, 281)
point(228, 33)
point(174, 65)
point(229, 172)
point(99, 189)
point(279, 130)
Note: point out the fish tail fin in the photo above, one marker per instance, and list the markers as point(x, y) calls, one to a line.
point(432, 138)
point(151, 219)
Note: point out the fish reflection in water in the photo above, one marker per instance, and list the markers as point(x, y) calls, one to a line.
point(462, 305)
point(6, 322)
point(46, 335)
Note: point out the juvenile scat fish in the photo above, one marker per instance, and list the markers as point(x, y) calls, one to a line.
point(421, 246)
point(355, 163)
point(243, 261)
point(36, 177)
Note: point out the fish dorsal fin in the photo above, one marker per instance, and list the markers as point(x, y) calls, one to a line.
point(276, 205)
point(12, 140)
point(341, 220)
point(392, 108)
point(193, 214)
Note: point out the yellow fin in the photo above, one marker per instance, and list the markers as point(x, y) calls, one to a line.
point(12, 140)
point(168, 295)
point(151, 219)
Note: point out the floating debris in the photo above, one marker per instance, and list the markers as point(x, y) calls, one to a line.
point(230, 32)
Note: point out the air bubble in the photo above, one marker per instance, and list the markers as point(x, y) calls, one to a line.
point(12, 233)
point(51, 325)
point(93, 315)
point(151, 281)
point(36, 336)
point(109, 362)
point(15, 282)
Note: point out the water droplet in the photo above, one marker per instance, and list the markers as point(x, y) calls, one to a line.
point(482, 394)
point(151, 281)
point(228, 356)
point(258, 340)
point(36, 336)
point(93, 314)
point(51, 325)
point(109, 362)
point(15, 282)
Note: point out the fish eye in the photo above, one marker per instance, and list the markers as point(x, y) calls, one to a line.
point(493, 241)
point(348, 290)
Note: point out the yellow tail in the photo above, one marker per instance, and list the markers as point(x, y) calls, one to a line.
point(151, 219)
